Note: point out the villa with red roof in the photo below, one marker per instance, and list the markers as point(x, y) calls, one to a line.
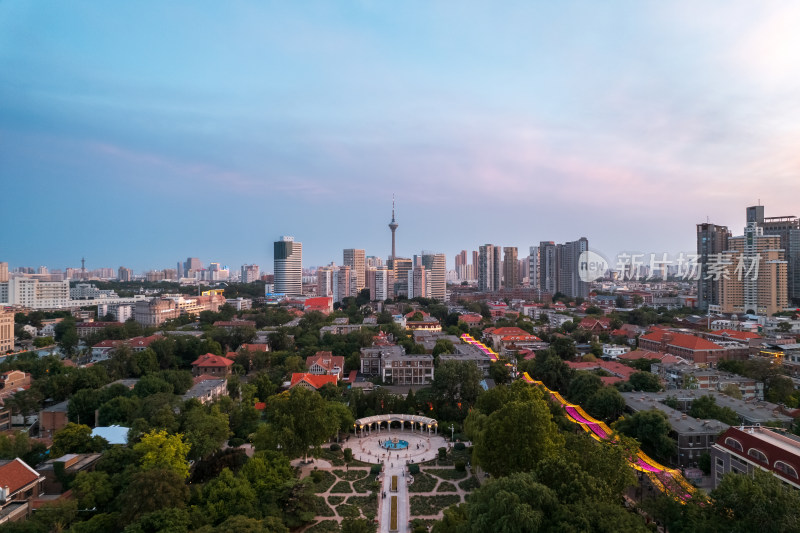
point(214, 365)
point(470, 319)
point(690, 347)
point(595, 325)
point(311, 381)
point(140, 344)
point(19, 484)
point(254, 348)
point(326, 364)
point(503, 337)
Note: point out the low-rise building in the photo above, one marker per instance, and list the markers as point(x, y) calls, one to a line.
point(325, 364)
point(19, 485)
point(85, 329)
point(207, 389)
point(681, 376)
point(213, 365)
point(690, 347)
point(13, 381)
point(407, 369)
point(72, 464)
point(52, 419)
point(693, 436)
point(745, 449)
point(311, 381)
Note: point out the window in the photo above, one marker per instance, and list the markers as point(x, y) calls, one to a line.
point(720, 462)
point(786, 468)
point(733, 443)
point(758, 455)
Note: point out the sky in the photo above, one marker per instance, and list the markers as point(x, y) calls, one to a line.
point(141, 133)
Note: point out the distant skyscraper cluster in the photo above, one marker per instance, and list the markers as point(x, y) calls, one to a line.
point(754, 273)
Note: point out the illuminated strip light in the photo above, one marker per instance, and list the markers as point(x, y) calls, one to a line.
point(644, 463)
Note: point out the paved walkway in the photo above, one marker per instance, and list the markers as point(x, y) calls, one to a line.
point(421, 447)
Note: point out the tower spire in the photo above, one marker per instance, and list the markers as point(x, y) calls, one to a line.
point(393, 225)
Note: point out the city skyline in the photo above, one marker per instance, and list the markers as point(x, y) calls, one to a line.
point(627, 124)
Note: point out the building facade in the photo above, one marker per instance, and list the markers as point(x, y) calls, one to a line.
point(288, 266)
point(510, 267)
point(356, 260)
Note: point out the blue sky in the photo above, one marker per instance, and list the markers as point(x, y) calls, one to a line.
point(141, 133)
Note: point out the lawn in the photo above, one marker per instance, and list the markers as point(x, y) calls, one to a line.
point(342, 487)
point(422, 483)
point(469, 484)
point(431, 505)
point(367, 504)
point(446, 473)
point(326, 480)
point(367, 484)
point(446, 486)
point(351, 475)
point(336, 500)
point(321, 507)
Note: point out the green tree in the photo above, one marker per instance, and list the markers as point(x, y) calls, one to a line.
point(205, 431)
point(66, 334)
point(82, 406)
point(779, 389)
point(243, 524)
point(606, 404)
point(456, 386)
point(76, 438)
point(92, 489)
point(161, 451)
point(443, 346)
point(784, 327)
point(583, 386)
point(517, 436)
point(651, 428)
point(228, 495)
point(500, 373)
point(152, 490)
point(298, 419)
point(645, 381)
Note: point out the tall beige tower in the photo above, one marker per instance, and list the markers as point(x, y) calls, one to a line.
point(356, 260)
point(753, 274)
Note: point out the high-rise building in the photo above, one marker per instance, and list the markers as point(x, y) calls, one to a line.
point(3, 272)
point(490, 271)
point(6, 331)
point(378, 283)
point(288, 260)
point(510, 268)
point(486, 268)
point(342, 283)
point(356, 260)
point(533, 267)
point(124, 274)
point(250, 273)
point(436, 274)
point(752, 272)
point(461, 265)
point(42, 270)
point(325, 280)
point(191, 266)
point(417, 282)
point(788, 229)
point(36, 294)
point(373, 261)
point(570, 283)
point(548, 267)
point(400, 267)
point(712, 240)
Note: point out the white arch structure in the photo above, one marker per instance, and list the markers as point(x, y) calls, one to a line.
point(365, 426)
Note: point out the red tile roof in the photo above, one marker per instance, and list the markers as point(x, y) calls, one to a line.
point(646, 354)
point(738, 335)
point(254, 347)
point(143, 342)
point(210, 359)
point(204, 377)
point(618, 369)
point(503, 332)
point(681, 340)
point(16, 475)
point(315, 380)
point(260, 406)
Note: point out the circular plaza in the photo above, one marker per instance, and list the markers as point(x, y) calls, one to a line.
point(400, 438)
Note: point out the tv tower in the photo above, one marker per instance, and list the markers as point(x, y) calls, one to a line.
point(393, 226)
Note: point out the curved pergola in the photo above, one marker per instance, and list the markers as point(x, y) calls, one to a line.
point(365, 426)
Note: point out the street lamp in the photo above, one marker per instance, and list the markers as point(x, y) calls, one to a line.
point(452, 433)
